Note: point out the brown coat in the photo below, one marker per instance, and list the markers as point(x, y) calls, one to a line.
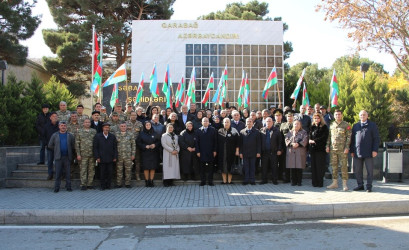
point(296, 157)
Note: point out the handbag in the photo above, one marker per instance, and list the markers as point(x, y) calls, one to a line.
point(237, 167)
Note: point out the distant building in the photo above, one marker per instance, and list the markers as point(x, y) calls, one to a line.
point(25, 73)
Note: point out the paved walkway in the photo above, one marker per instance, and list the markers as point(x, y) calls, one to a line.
point(192, 203)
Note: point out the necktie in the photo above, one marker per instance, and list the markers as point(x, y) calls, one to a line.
point(248, 131)
point(205, 130)
point(268, 140)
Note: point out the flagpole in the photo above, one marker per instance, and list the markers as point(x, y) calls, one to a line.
point(100, 87)
point(92, 67)
point(126, 82)
point(279, 96)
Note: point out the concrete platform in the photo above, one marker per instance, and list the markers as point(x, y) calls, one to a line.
point(191, 203)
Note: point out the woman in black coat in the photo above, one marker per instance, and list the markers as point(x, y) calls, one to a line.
point(148, 141)
point(197, 121)
point(188, 159)
point(228, 149)
point(318, 138)
point(173, 119)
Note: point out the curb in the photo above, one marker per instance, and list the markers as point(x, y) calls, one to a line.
point(202, 214)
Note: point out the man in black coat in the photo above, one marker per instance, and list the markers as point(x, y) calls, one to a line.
point(50, 128)
point(235, 122)
point(364, 147)
point(271, 147)
point(106, 154)
point(96, 123)
point(250, 148)
point(303, 118)
point(42, 119)
point(184, 117)
point(206, 148)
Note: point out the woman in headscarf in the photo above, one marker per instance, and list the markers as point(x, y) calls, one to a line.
point(170, 156)
point(148, 141)
point(188, 158)
point(228, 149)
point(173, 119)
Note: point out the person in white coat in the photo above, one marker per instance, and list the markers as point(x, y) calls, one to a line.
point(170, 156)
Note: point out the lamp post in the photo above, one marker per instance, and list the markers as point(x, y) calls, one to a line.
point(364, 68)
point(3, 67)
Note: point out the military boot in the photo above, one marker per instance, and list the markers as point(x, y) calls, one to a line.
point(344, 184)
point(334, 184)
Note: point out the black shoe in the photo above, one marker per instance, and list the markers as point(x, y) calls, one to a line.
point(90, 187)
point(69, 190)
point(102, 188)
point(263, 182)
point(40, 163)
point(56, 190)
point(118, 186)
point(293, 184)
point(359, 189)
point(211, 184)
point(369, 190)
point(147, 183)
point(152, 185)
point(128, 186)
point(245, 183)
point(299, 184)
point(286, 181)
point(275, 182)
point(50, 177)
point(202, 184)
point(83, 188)
point(230, 183)
point(224, 183)
point(252, 183)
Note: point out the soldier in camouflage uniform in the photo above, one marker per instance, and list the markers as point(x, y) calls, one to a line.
point(126, 154)
point(114, 122)
point(284, 129)
point(128, 111)
point(118, 110)
point(338, 143)
point(73, 126)
point(63, 114)
point(83, 146)
point(81, 116)
point(135, 127)
point(104, 116)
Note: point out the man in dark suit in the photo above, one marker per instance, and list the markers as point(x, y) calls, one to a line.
point(235, 122)
point(96, 123)
point(303, 118)
point(206, 148)
point(49, 129)
point(250, 148)
point(271, 147)
point(364, 147)
point(184, 117)
point(106, 154)
point(42, 119)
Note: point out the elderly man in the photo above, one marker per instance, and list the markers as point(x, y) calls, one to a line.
point(303, 118)
point(63, 114)
point(49, 129)
point(250, 149)
point(364, 147)
point(235, 122)
point(62, 143)
point(206, 150)
point(96, 121)
point(271, 147)
point(184, 117)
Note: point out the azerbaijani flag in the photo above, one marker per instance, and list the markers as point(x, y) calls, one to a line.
point(305, 99)
point(190, 95)
point(114, 96)
point(97, 70)
point(139, 92)
point(118, 76)
point(271, 81)
point(166, 88)
point(247, 93)
point(294, 95)
point(241, 89)
point(334, 90)
point(180, 92)
point(153, 86)
point(221, 88)
point(210, 85)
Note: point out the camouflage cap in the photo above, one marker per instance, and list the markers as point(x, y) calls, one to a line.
point(115, 113)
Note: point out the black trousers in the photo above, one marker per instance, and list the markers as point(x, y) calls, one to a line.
point(282, 169)
point(318, 167)
point(106, 170)
point(206, 168)
point(296, 176)
point(269, 161)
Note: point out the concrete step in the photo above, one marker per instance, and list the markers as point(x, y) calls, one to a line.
point(31, 166)
point(30, 173)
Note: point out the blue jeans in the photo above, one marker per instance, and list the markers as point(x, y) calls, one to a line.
point(62, 165)
point(249, 167)
point(50, 159)
point(42, 151)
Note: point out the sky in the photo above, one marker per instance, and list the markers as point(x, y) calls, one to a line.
point(314, 40)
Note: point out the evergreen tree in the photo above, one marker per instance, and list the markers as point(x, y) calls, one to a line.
point(16, 24)
point(35, 92)
point(113, 19)
point(372, 95)
point(346, 99)
point(55, 92)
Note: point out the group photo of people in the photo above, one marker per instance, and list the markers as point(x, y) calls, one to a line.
point(186, 143)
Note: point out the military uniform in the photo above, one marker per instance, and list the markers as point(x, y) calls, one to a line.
point(121, 115)
point(339, 139)
point(103, 117)
point(63, 116)
point(136, 127)
point(84, 148)
point(81, 118)
point(126, 149)
point(73, 129)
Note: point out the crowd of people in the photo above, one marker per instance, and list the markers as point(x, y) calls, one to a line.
point(204, 142)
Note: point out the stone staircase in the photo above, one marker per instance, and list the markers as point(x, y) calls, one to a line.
point(35, 176)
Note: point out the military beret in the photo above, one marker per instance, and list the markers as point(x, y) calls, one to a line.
point(278, 111)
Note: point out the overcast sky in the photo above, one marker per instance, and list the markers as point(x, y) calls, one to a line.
point(314, 40)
